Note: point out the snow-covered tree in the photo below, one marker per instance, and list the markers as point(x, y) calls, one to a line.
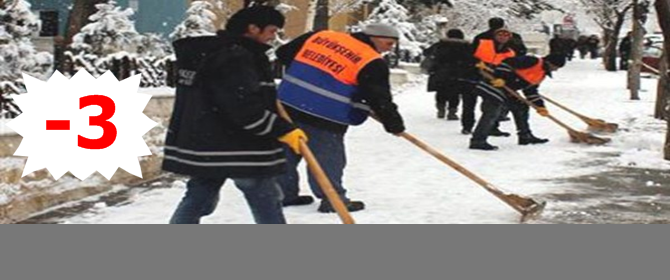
point(110, 31)
point(392, 13)
point(17, 52)
point(324, 10)
point(153, 45)
point(610, 15)
point(199, 21)
point(473, 16)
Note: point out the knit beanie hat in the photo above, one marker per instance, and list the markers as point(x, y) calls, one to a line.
point(381, 30)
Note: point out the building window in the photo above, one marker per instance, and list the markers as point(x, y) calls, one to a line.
point(135, 5)
point(50, 23)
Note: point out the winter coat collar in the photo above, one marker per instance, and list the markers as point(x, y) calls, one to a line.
point(455, 40)
point(249, 44)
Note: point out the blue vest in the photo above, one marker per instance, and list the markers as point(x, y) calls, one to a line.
point(323, 79)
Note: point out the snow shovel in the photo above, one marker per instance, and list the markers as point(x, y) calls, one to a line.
point(575, 136)
point(595, 125)
point(527, 207)
point(320, 175)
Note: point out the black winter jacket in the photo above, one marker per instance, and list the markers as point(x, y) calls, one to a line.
point(224, 122)
point(507, 72)
point(453, 62)
point(373, 83)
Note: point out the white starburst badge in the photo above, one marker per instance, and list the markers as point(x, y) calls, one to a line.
point(82, 125)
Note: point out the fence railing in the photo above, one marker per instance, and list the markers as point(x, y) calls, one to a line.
point(156, 72)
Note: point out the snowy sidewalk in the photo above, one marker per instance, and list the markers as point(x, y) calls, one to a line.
point(401, 184)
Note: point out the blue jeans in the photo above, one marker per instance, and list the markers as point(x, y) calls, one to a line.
point(202, 196)
point(328, 147)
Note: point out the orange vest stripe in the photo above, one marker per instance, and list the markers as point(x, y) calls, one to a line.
point(534, 75)
point(338, 54)
point(486, 52)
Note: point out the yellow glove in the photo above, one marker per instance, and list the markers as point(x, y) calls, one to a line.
point(543, 111)
point(293, 139)
point(499, 83)
point(482, 66)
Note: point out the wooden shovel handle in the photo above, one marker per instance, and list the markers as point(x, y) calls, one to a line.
point(531, 104)
point(559, 105)
point(510, 200)
point(320, 175)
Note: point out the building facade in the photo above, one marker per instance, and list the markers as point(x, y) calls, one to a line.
point(156, 16)
point(162, 16)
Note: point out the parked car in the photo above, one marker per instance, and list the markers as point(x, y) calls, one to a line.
point(653, 50)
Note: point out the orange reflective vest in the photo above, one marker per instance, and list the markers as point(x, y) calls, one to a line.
point(486, 52)
point(323, 79)
point(534, 75)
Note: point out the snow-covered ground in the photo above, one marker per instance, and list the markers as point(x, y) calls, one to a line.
point(401, 184)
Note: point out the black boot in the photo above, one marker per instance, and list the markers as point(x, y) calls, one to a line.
point(441, 113)
point(299, 201)
point(484, 146)
point(530, 139)
point(466, 131)
point(352, 206)
point(498, 133)
point(453, 115)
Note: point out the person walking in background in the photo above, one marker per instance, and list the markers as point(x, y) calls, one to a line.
point(452, 76)
point(571, 44)
point(593, 44)
point(583, 46)
point(625, 49)
point(558, 46)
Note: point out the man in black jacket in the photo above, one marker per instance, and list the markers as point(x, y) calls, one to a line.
point(224, 124)
point(453, 75)
point(523, 73)
point(335, 80)
point(625, 50)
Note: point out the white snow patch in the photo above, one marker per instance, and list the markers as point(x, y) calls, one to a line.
point(402, 184)
point(158, 91)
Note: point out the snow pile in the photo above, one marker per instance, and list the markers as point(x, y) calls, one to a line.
point(7, 192)
point(4, 129)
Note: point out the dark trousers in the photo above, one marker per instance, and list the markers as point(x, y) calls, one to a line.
point(446, 97)
point(450, 92)
point(468, 119)
point(492, 109)
point(328, 147)
point(202, 196)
